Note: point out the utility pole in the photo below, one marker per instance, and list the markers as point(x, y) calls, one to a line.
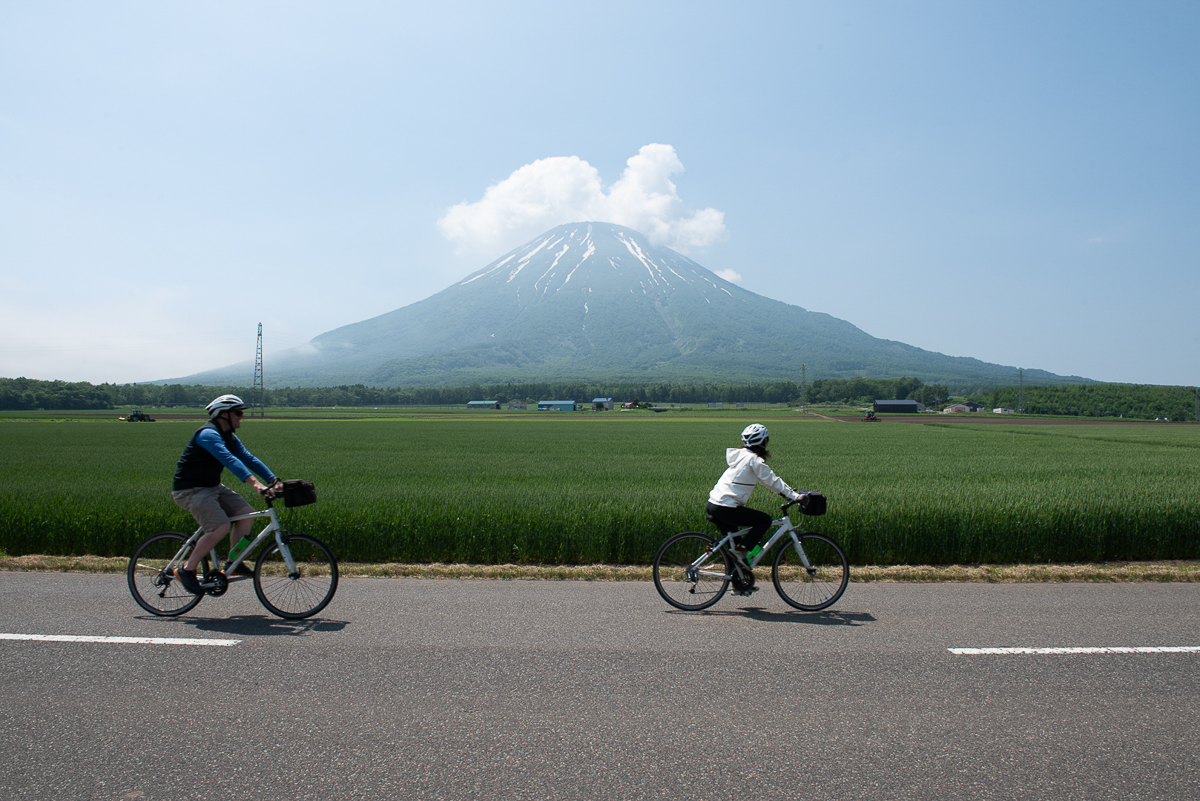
point(258, 376)
point(1020, 390)
point(804, 389)
point(1197, 403)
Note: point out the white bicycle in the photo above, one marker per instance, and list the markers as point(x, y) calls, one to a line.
point(295, 576)
point(693, 571)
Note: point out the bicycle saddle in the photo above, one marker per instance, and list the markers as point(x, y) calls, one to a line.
point(724, 529)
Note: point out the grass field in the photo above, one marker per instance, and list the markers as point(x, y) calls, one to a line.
point(608, 488)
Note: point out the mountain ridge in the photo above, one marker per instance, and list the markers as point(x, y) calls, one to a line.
point(595, 301)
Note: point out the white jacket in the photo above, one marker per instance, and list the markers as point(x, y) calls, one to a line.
point(746, 471)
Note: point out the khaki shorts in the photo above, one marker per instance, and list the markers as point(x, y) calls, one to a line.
point(212, 506)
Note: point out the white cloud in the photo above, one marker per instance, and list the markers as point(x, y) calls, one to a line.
point(732, 276)
point(565, 189)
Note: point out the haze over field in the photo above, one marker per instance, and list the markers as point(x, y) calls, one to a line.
point(1012, 182)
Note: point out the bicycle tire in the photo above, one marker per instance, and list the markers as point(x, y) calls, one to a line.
point(156, 592)
point(677, 582)
point(303, 593)
point(816, 590)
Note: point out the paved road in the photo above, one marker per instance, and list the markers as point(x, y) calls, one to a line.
point(412, 689)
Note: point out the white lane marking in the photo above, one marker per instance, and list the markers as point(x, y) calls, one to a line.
point(1111, 649)
point(120, 640)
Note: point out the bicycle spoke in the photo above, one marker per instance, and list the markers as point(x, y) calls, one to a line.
point(305, 591)
point(683, 578)
point(155, 590)
point(818, 585)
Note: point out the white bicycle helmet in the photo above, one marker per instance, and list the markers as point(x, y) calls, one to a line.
point(223, 403)
point(755, 434)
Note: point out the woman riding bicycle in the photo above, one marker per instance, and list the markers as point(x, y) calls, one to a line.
point(727, 501)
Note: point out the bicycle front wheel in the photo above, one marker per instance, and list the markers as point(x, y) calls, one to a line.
point(820, 584)
point(300, 593)
point(151, 581)
point(690, 572)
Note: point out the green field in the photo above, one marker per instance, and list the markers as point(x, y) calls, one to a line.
point(608, 488)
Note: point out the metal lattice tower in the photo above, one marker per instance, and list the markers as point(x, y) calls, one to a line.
point(258, 376)
point(803, 389)
point(1021, 390)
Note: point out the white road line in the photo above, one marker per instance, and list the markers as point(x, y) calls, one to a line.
point(1113, 649)
point(120, 640)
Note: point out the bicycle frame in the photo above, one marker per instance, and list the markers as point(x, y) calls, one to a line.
point(271, 528)
point(784, 526)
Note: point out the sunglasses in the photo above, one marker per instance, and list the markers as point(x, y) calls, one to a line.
point(238, 412)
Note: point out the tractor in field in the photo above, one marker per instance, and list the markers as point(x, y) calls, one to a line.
point(869, 417)
point(137, 416)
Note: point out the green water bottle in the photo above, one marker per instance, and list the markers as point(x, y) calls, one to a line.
point(754, 552)
point(243, 543)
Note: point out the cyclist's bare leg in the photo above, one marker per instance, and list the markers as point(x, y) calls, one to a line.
point(207, 543)
point(241, 528)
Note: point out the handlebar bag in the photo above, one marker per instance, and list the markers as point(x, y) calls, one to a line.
point(298, 492)
point(812, 504)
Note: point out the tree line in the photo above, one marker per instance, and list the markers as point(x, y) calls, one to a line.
point(29, 394)
point(1135, 401)
point(1131, 401)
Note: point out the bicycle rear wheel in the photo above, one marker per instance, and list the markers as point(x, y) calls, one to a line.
point(686, 586)
point(154, 588)
point(299, 594)
point(817, 587)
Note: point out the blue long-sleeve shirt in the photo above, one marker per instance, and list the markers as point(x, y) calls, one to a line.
point(236, 458)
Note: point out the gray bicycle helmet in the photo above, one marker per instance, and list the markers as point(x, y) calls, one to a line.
point(755, 434)
point(222, 404)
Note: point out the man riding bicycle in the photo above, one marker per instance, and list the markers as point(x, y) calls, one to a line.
point(197, 486)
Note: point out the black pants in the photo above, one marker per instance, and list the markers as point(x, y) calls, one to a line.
point(732, 518)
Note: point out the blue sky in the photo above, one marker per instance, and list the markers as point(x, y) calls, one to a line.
point(1012, 181)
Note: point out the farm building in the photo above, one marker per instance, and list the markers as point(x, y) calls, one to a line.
point(556, 406)
point(1002, 411)
point(483, 404)
point(602, 404)
point(967, 406)
point(901, 406)
point(516, 403)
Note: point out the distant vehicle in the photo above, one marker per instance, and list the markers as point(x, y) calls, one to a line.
point(870, 417)
point(137, 416)
point(1164, 419)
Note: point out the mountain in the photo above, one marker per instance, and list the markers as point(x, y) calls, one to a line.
point(594, 301)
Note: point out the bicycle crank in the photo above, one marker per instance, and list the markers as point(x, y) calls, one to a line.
point(218, 581)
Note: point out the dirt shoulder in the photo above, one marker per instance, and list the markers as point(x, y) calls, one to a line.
point(1166, 571)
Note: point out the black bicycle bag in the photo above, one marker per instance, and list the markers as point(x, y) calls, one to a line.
point(298, 492)
point(812, 504)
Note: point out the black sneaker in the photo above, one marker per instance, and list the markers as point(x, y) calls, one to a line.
point(241, 570)
point(188, 579)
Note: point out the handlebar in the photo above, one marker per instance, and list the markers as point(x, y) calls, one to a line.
point(273, 491)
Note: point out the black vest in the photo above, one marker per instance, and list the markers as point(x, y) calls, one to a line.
point(197, 467)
